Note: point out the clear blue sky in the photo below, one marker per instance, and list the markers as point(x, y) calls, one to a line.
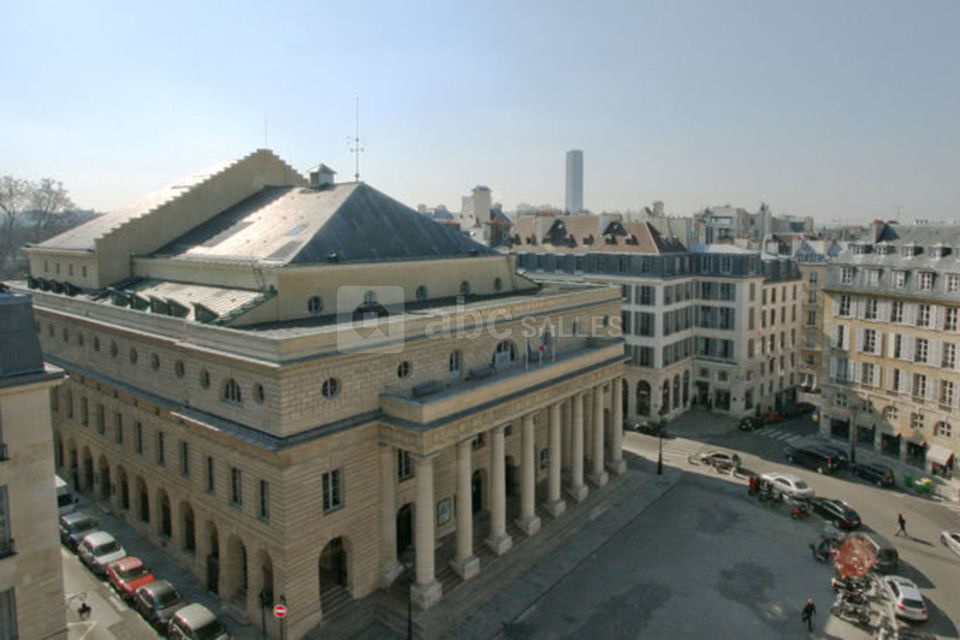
point(840, 110)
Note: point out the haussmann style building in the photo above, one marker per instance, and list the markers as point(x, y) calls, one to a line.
point(292, 385)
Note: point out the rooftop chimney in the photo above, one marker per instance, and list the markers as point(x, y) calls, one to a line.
point(321, 177)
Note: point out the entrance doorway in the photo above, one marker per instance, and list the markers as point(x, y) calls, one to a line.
point(511, 476)
point(476, 492)
point(333, 566)
point(404, 528)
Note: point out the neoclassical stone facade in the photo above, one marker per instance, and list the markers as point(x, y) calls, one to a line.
point(298, 423)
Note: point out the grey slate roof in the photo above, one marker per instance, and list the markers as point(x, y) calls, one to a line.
point(296, 225)
point(21, 361)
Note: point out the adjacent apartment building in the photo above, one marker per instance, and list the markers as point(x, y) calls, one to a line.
point(293, 385)
point(892, 319)
point(31, 575)
point(714, 326)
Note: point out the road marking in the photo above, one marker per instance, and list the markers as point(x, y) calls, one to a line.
point(89, 627)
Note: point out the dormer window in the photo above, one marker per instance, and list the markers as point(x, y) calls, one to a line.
point(906, 251)
point(588, 240)
point(611, 240)
point(846, 275)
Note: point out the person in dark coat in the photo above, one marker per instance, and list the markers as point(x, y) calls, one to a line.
point(902, 522)
point(809, 610)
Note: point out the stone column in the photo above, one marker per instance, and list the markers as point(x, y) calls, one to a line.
point(426, 592)
point(499, 540)
point(598, 476)
point(577, 490)
point(587, 429)
point(616, 464)
point(388, 515)
point(465, 564)
point(555, 504)
point(528, 521)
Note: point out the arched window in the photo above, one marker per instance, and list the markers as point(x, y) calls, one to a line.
point(231, 392)
point(154, 362)
point(686, 387)
point(114, 349)
point(370, 297)
point(505, 353)
point(315, 305)
point(421, 293)
point(179, 369)
point(258, 393)
point(942, 429)
point(464, 288)
point(497, 284)
point(665, 399)
point(456, 364)
point(676, 391)
point(205, 379)
point(133, 356)
point(404, 369)
point(643, 398)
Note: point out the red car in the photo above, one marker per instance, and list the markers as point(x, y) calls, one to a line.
point(771, 416)
point(127, 575)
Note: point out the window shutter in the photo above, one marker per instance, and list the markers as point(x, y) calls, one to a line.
point(909, 345)
point(857, 370)
point(888, 383)
point(833, 368)
point(846, 340)
point(861, 306)
point(935, 316)
point(835, 342)
point(859, 340)
point(907, 383)
point(883, 310)
point(889, 345)
point(835, 300)
point(910, 313)
point(936, 353)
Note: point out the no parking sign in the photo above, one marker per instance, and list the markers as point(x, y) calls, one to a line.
point(280, 611)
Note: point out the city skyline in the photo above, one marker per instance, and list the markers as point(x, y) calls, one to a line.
point(840, 112)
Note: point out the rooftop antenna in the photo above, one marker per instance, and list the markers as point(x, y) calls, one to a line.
point(265, 145)
point(356, 149)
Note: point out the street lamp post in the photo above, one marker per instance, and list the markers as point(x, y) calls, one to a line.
point(409, 566)
point(660, 428)
point(854, 412)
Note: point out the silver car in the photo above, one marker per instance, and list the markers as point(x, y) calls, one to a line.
point(951, 540)
point(98, 550)
point(789, 484)
point(907, 600)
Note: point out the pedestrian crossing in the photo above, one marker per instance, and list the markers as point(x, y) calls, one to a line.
point(781, 435)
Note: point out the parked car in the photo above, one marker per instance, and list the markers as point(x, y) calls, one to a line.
point(907, 599)
point(772, 416)
point(888, 558)
point(879, 474)
point(800, 409)
point(99, 549)
point(196, 622)
point(789, 484)
point(157, 602)
point(836, 511)
point(720, 459)
point(951, 539)
point(75, 526)
point(127, 575)
point(839, 454)
point(750, 423)
point(811, 457)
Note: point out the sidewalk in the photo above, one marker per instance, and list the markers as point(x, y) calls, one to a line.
point(164, 568)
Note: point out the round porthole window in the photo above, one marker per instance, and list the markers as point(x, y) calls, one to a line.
point(330, 388)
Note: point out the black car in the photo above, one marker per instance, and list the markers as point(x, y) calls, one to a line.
point(750, 423)
point(801, 409)
point(879, 474)
point(812, 458)
point(157, 602)
point(839, 454)
point(836, 511)
point(74, 526)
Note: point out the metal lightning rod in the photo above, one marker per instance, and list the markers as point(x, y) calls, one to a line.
point(356, 149)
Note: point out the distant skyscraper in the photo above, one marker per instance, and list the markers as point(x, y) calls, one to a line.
point(574, 201)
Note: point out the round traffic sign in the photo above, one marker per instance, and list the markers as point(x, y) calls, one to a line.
point(279, 611)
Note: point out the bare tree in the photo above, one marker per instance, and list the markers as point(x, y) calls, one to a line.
point(48, 198)
point(14, 196)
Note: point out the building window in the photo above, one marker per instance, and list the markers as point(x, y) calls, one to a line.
point(84, 411)
point(258, 393)
point(916, 420)
point(236, 487)
point(118, 427)
point(8, 612)
point(332, 490)
point(478, 441)
point(114, 349)
point(101, 420)
point(544, 458)
point(896, 311)
point(923, 315)
point(867, 373)
point(403, 369)
point(161, 452)
point(421, 293)
point(155, 362)
point(497, 284)
point(812, 297)
point(185, 458)
point(920, 350)
point(232, 393)
point(953, 283)
point(899, 279)
point(811, 318)
point(138, 436)
point(464, 288)
point(870, 309)
point(950, 318)
point(315, 305)
point(330, 388)
point(455, 363)
point(750, 348)
point(926, 280)
point(205, 379)
point(873, 277)
point(890, 414)
point(178, 368)
point(919, 386)
point(870, 340)
point(844, 305)
point(946, 393)
point(753, 291)
point(264, 511)
point(846, 275)
point(840, 400)
point(942, 429)
point(209, 473)
point(133, 356)
point(404, 465)
point(83, 271)
point(96, 344)
point(948, 359)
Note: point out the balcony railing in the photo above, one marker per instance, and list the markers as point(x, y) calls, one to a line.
point(7, 548)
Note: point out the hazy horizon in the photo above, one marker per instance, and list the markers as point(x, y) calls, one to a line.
point(841, 111)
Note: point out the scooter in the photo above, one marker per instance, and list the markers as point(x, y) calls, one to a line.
point(849, 611)
point(822, 552)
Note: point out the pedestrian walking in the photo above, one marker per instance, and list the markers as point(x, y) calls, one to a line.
point(809, 610)
point(902, 522)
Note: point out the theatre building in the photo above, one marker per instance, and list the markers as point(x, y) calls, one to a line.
point(293, 385)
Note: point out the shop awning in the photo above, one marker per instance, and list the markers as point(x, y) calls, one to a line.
point(939, 455)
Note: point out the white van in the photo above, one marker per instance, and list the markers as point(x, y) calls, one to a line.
point(66, 502)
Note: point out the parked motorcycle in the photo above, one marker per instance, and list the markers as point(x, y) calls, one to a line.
point(822, 552)
point(851, 584)
point(842, 608)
